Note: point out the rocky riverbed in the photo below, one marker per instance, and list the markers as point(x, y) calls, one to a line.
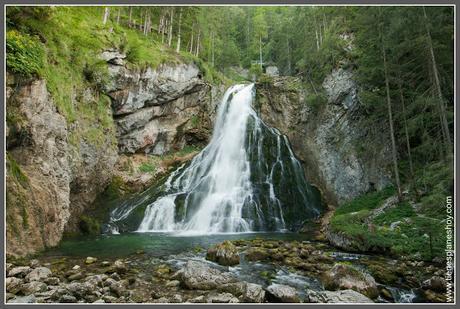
point(239, 271)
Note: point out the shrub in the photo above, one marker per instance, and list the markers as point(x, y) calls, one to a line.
point(24, 53)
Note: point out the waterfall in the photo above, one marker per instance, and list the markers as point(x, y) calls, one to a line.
point(246, 179)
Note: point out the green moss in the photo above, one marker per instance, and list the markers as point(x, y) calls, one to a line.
point(147, 167)
point(89, 225)
point(15, 170)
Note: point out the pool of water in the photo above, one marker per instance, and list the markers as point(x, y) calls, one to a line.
point(154, 244)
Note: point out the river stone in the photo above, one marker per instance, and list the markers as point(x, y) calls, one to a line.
point(52, 281)
point(224, 253)
point(199, 276)
point(29, 299)
point(119, 266)
point(115, 286)
point(76, 276)
point(33, 287)
point(90, 260)
point(222, 298)
point(435, 283)
point(38, 274)
point(253, 293)
point(344, 277)
point(342, 296)
point(13, 285)
point(280, 293)
point(76, 267)
point(20, 271)
point(66, 298)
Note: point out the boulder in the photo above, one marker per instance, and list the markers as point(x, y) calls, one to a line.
point(224, 253)
point(272, 71)
point(336, 297)
point(280, 293)
point(33, 287)
point(119, 266)
point(13, 285)
point(29, 299)
point(344, 277)
point(199, 276)
point(20, 271)
point(435, 283)
point(34, 263)
point(38, 274)
point(253, 293)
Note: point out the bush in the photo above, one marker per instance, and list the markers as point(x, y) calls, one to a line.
point(24, 53)
point(315, 101)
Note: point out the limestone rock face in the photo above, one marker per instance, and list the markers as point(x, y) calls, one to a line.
point(53, 173)
point(161, 109)
point(342, 155)
point(38, 170)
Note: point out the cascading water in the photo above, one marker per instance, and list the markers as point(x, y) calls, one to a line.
point(246, 179)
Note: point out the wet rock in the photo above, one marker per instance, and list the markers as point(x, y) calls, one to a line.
point(435, 283)
point(386, 294)
point(222, 298)
point(105, 263)
point(342, 296)
point(280, 293)
point(383, 274)
point(256, 254)
point(199, 276)
point(433, 297)
point(13, 285)
point(38, 274)
point(33, 287)
point(344, 277)
point(29, 299)
point(20, 271)
point(90, 260)
point(9, 296)
point(163, 271)
point(176, 298)
point(235, 288)
point(99, 301)
point(76, 267)
point(79, 289)
point(95, 280)
point(224, 253)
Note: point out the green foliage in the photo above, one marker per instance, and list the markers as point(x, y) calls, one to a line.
point(24, 53)
point(366, 202)
point(315, 101)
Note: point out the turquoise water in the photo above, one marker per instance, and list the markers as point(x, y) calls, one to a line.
point(155, 244)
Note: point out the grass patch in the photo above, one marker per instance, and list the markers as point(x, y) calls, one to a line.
point(416, 235)
point(147, 167)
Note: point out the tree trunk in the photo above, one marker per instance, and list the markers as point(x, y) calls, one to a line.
point(179, 31)
point(390, 114)
point(141, 22)
point(406, 132)
point(106, 15)
point(171, 28)
point(118, 17)
point(260, 51)
point(198, 43)
point(191, 39)
point(441, 107)
point(130, 16)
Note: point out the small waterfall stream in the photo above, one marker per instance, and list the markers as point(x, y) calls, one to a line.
point(246, 179)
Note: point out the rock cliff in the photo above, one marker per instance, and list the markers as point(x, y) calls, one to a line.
point(341, 154)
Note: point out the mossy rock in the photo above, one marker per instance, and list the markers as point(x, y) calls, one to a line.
point(89, 225)
point(383, 274)
point(256, 254)
point(224, 253)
